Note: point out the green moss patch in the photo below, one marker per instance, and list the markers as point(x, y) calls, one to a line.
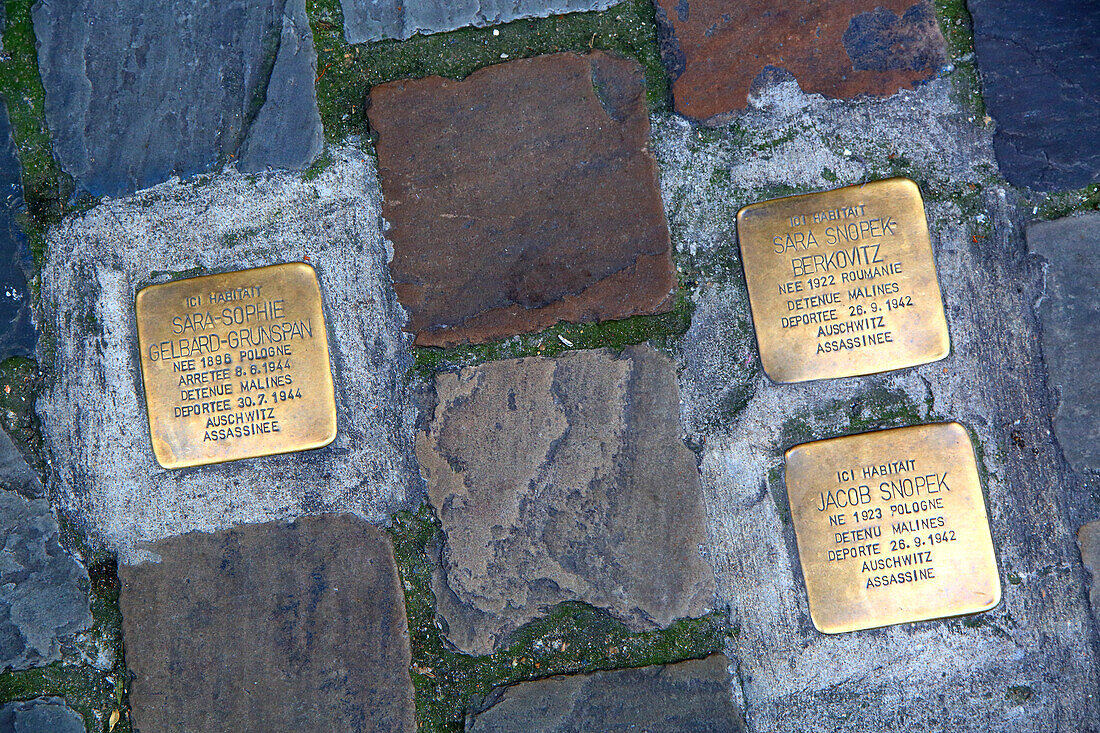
point(1046, 206)
point(45, 188)
point(93, 692)
point(346, 73)
point(660, 330)
point(958, 32)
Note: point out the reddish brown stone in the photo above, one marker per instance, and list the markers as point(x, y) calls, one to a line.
point(714, 49)
point(522, 196)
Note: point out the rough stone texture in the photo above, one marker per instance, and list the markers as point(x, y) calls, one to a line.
point(43, 590)
point(373, 20)
point(563, 480)
point(522, 196)
point(42, 715)
point(93, 412)
point(688, 697)
point(1069, 311)
point(286, 132)
point(714, 50)
point(1088, 541)
point(269, 627)
point(15, 474)
point(1029, 665)
point(1038, 63)
point(137, 92)
point(17, 334)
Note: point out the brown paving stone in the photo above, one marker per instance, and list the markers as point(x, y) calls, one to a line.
point(272, 627)
point(560, 480)
point(521, 196)
point(839, 48)
point(686, 697)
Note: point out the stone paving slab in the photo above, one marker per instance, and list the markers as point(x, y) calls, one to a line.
point(522, 196)
point(564, 480)
point(715, 50)
point(15, 474)
point(139, 91)
point(93, 411)
point(41, 715)
point(269, 628)
point(17, 332)
point(373, 20)
point(1038, 62)
point(1032, 663)
point(1088, 541)
point(43, 590)
point(686, 697)
point(1069, 311)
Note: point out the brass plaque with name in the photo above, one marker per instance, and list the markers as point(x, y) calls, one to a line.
point(236, 365)
point(842, 283)
point(891, 527)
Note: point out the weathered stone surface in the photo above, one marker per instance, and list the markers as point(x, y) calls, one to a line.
point(564, 480)
point(43, 590)
point(15, 474)
point(687, 697)
point(1033, 663)
point(269, 627)
point(286, 132)
point(137, 92)
point(1088, 541)
point(17, 334)
point(1069, 312)
point(93, 411)
point(714, 50)
point(1038, 63)
point(42, 715)
point(373, 20)
point(524, 195)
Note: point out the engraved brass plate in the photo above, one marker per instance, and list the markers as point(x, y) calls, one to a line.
point(891, 527)
point(842, 283)
point(236, 365)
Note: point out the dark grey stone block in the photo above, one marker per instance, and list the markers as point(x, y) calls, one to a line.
point(43, 590)
point(687, 697)
point(1069, 312)
point(373, 20)
point(42, 715)
point(139, 91)
point(287, 130)
point(1039, 62)
point(15, 474)
point(17, 332)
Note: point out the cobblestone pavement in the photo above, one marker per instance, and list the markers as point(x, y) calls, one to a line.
point(555, 500)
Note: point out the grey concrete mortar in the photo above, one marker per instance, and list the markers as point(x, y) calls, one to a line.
point(93, 410)
point(950, 675)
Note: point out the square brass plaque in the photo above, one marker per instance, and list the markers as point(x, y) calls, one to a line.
point(891, 527)
point(842, 283)
point(236, 365)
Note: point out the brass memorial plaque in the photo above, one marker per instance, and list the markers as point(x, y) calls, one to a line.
point(236, 365)
point(891, 527)
point(842, 283)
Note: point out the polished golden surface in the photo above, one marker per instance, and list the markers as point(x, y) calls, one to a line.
point(236, 365)
point(842, 283)
point(891, 527)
